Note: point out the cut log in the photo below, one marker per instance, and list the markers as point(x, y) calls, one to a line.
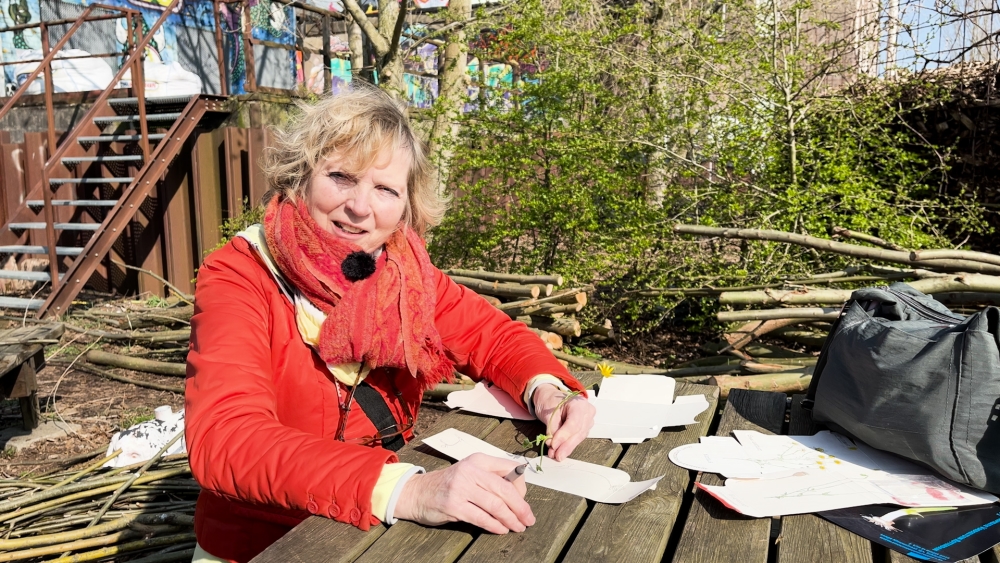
point(604, 329)
point(137, 364)
point(817, 243)
point(552, 340)
point(754, 329)
point(499, 289)
point(565, 326)
point(152, 337)
point(511, 278)
point(621, 368)
point(783, 382)
point(574, 295)
point(550, 310)
point(491, 300)
point(826, 313)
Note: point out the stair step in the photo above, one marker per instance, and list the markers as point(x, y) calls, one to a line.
point(26, 276)
point(118, 138)
point(58, 226)
point(21, 303)
point(30, 249)
point(118, 180)
point(149, 117)
point(165, 100)
point(73, 160)
point(75, 202)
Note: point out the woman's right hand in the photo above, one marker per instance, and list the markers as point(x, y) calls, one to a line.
point(473, 490)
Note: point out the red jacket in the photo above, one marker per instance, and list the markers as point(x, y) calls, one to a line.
point(262, 409)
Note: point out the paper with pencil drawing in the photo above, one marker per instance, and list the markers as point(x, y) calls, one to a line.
point(588, 480)
point(630, 408)
point(778, 475)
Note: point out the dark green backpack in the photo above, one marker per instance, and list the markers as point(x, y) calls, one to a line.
point(902, 373)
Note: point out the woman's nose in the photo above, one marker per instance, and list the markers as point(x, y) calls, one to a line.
point(358, 201)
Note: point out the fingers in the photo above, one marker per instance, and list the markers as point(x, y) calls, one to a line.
point(478, 517)
point(569, 428)
point(501, 500)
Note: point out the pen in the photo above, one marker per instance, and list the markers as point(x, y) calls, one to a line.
point(516, 472)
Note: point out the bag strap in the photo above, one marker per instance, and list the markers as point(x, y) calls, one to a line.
point(824, 353)
point(377, 411)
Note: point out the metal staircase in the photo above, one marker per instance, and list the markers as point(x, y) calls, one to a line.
point(97, 178)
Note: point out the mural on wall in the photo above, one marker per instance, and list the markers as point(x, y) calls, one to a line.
point(420, 65)
point(13, 44)
point(270, 21)
point(163, 73)
point(171, 70)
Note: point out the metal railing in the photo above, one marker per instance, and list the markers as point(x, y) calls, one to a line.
point(50, 54)
point(238, 25)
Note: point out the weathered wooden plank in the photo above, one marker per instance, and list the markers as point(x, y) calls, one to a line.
point(320, 540)
point(807, 537)
point(713, 533)
point(440, 544)
point(639, 530)
point(556, 514)
point(407, 542)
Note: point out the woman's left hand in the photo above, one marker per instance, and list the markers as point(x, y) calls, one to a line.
point(570, 423)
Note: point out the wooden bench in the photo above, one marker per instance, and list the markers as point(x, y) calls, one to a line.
point(675, 522)
point(21, 358)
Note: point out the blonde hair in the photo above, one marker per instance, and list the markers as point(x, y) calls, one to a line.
point(359, 126)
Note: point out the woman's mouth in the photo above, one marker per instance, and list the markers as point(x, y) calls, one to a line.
point(347, 229)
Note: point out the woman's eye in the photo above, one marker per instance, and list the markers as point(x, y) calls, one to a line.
point(389, 191)
point(336, 176)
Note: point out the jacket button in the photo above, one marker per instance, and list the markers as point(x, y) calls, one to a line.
point(333, 511)
point(312, 507)
point(355, 516)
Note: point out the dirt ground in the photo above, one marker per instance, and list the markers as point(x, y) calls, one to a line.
point(102, 406)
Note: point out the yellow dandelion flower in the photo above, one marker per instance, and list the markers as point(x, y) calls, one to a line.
point(606, 370)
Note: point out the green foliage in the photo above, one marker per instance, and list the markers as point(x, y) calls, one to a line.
point(157, 301)
point(131, 417)
point(248, 215)
point(636, 117)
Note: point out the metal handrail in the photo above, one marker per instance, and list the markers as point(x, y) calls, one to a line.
point(47, 60)
point(138, 52)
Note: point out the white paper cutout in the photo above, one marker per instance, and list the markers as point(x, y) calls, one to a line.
point(777, 475)
point(588, 480)
point(488, 400)
point(655, 389)
point(630, 408)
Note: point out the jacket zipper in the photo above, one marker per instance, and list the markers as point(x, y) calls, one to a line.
point(925, 310)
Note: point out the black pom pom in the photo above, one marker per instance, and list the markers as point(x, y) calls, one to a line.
point(358, 265)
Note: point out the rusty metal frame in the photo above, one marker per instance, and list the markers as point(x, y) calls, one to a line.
point(46, 61)
point(118, 217)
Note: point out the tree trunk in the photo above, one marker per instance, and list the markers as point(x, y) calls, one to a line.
point(355, 41)
point(444, 131)
point(391, 67)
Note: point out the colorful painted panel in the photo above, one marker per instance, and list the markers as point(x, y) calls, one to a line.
point(421, 91)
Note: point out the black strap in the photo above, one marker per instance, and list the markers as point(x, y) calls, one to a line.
point(377, 411)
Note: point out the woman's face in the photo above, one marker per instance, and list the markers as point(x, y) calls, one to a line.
point(363, 208)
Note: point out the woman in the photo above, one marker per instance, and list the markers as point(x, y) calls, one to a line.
point(315, 334)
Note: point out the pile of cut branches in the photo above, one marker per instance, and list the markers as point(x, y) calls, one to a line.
point(801, 310)
point(94, 514)
point(537, 302)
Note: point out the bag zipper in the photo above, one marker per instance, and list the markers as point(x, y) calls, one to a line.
point(924, 310)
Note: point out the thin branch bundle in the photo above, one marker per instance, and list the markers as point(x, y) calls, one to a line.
point(141, 508)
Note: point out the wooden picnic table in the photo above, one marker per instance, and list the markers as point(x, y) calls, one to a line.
point(673, 523)
point(21, 358)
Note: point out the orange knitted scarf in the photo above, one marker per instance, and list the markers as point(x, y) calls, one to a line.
point(385, 320)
